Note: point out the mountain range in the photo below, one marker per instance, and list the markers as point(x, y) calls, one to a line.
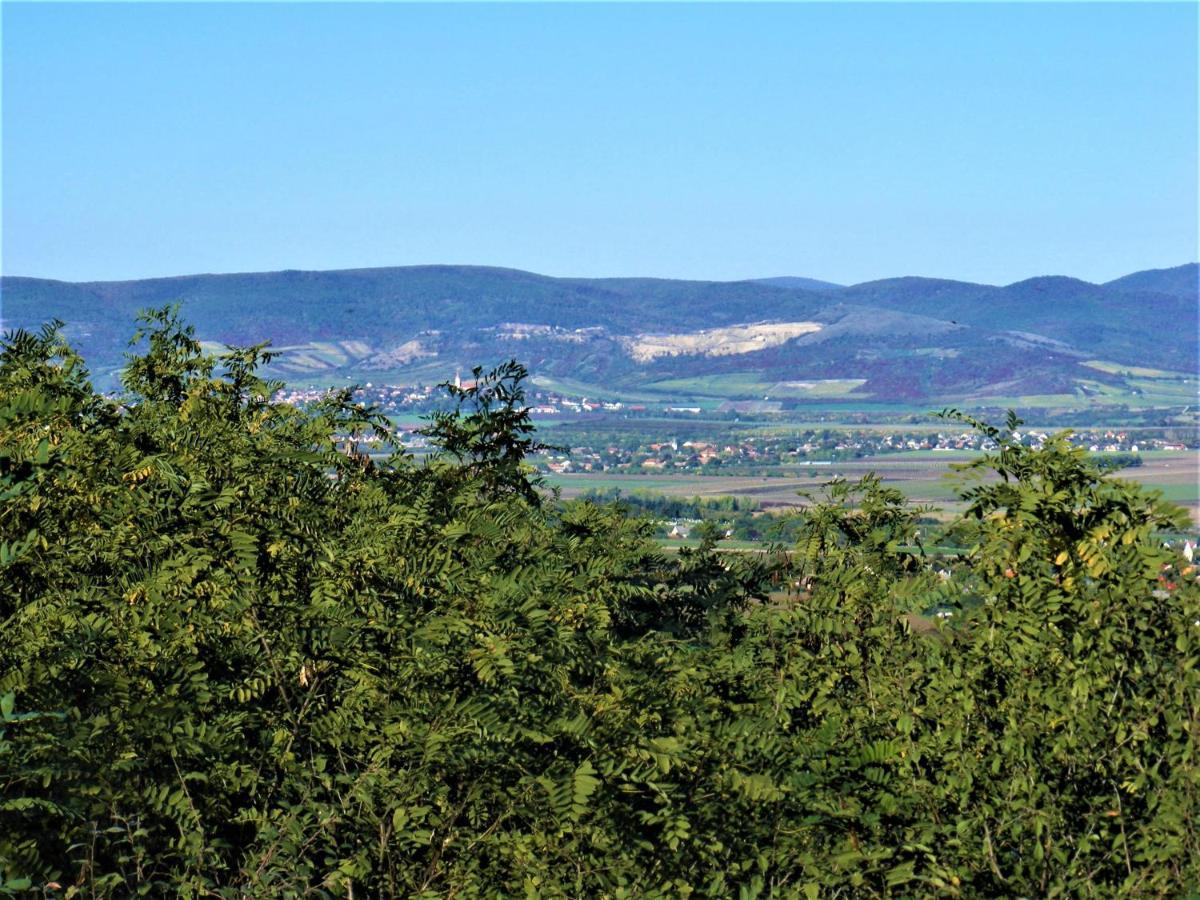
point(898, 339)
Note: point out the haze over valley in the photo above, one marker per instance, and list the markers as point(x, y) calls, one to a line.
point(789, 340)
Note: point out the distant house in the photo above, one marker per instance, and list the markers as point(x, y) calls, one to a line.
point(679, 530)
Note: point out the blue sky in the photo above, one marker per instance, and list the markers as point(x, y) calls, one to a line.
point(847, 142)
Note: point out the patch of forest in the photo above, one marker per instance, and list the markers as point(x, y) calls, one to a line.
point(241, 656)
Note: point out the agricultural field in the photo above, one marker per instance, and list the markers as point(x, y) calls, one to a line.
point(1139, 388)
point(925, 477)
point(922, 482)
point(753, 384)
point(1175, 473)
point(1113, 368)
point(1135, 393)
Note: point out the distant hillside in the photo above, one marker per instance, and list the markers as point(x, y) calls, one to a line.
point(1181, 281)
point(293, 306)
point(804, 284)
point(913, 294)
point(897, 339)
point(1123, 325)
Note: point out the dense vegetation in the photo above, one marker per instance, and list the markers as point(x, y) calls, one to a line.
point(239, 657)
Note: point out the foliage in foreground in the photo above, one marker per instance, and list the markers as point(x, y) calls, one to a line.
point(238, 656)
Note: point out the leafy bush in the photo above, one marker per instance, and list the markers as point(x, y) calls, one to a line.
point(241, 656)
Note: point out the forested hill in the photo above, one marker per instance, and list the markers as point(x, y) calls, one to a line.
point(1180, 281)
point(905, 337)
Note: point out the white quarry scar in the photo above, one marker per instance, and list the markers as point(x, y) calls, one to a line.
point(717, 341)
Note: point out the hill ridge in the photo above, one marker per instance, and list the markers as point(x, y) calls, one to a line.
point(906, 337)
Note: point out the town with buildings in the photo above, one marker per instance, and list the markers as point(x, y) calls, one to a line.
point(725, 447)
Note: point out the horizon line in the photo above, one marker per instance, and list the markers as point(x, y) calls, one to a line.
point(516, 270)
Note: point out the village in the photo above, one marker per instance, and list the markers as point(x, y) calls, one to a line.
point(597, 445)
point(409, 399)
point(817, 448)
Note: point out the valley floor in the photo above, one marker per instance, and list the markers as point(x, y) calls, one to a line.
point(925, 477)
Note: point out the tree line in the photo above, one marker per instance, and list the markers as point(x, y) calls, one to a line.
point(239, 656)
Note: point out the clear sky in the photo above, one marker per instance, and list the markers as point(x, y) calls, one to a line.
point(846, 142)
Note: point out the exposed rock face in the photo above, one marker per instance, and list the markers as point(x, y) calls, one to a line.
point(729, 341)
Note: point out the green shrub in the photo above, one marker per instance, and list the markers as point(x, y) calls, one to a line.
point(239, 656)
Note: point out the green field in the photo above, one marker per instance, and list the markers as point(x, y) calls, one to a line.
point(754, 385)
point(1122, 369)
point(736, 384)
point(1141, 388)
point(925, 477)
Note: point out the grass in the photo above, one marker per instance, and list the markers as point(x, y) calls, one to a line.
point(752, 385)
point(1122, 369)
point(1143, 388)
point(1177, 493)
point(1162, 392)
point(818, 388)
point(1028, 401)
point(738, 384)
